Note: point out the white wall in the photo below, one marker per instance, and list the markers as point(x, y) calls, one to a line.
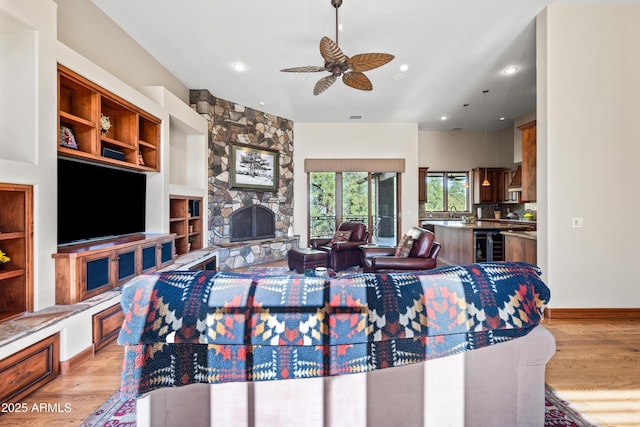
point(588, 153)
point(465, 150)
point(28, 121)
point(360, 141)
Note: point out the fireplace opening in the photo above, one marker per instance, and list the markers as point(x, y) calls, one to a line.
point(252, 223)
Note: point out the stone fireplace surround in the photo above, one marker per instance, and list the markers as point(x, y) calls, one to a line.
point(231, 123)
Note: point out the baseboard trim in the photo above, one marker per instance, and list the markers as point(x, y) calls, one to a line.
point(592, 313)
point(77, 360)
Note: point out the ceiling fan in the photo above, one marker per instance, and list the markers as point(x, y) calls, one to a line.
point(337, 63)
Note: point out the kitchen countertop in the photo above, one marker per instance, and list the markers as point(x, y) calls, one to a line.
point(533, 235)
point(482, 225)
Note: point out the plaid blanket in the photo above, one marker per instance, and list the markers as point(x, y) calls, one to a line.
point(205, 327)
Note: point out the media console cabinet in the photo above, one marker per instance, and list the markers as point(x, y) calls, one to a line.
point(88, 269)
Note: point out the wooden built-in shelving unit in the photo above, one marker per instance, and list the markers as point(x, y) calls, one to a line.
point(185, 220)
point(132, 141)
point(16, 234)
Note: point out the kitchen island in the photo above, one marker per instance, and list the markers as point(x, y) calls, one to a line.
point(521, 246)
point(465, 243)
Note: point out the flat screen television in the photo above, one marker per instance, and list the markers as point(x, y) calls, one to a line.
point(96, 202)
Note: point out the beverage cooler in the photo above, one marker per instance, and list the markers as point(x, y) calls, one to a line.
point(489, 245)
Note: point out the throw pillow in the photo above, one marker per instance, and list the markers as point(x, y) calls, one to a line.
point(341, 236)
point(404, 246)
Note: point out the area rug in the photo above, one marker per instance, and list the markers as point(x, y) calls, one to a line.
point(114, 412)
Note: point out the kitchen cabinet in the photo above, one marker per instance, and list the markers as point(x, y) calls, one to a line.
point(528, 161)
point(422, 185)
point(492, 193)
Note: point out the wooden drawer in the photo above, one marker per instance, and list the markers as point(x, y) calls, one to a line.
point(29, 369)
point(106, 326)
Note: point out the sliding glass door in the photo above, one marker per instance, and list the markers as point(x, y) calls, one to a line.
point(371, 198)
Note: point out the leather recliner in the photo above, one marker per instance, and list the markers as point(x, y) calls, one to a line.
point(344, 254)
point(423, 255)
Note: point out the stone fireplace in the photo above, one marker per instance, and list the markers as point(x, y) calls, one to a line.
point(253, 226)
point(252, 223)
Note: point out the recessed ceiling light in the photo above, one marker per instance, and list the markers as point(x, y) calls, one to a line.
point(443, 118)
point(262, 103)
point(501, 119)
point(404, 67)
point(239, 67)
point(340, 27)
point(510, 70)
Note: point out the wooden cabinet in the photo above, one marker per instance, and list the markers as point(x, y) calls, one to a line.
point(492, 193)
point(106, 326)
point(422, 185)
point(88, 269)
point(31, 368)
point(16, 242)
point(132, 140)
point(520, 249)
point(529, 162)
point(185, 221)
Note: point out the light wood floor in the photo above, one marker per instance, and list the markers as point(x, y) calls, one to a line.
point(596, 367)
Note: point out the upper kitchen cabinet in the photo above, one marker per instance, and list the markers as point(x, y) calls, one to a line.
point(528, 161)
point(422, 185)
point(491, 193)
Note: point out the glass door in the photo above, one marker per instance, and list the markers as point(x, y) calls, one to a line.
point(371, 198)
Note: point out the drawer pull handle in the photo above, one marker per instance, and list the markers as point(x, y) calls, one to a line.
point(21, 378)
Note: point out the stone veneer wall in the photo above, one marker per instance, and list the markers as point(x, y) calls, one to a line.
point(231, 123)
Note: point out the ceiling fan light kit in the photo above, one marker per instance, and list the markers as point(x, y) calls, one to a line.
point(338, 64)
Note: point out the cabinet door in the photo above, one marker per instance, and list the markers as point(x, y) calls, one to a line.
point(529, 162)
point(96, 274)
point(125, 265)
point(482, 194)
point(149, 258)
point(422, 185)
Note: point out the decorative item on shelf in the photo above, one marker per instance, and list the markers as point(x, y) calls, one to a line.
point(140, 159)
point(67, 139)
point(496, 211)
point(105, 124)
point(528, 215)
point(4, 258)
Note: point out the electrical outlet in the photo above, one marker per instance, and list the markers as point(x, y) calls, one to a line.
point(577, 222)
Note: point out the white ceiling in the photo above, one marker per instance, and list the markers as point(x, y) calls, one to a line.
point(455, 49)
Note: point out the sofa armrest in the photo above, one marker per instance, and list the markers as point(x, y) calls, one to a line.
point(396, 263)
point(315, 243)
point(368, 253)
point(347, 246)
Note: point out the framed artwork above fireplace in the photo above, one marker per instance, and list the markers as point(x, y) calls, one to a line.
point(253, 168)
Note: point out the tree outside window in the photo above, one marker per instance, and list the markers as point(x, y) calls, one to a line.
point(447, 191)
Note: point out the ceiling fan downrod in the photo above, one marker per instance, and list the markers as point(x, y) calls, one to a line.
point(336, 4)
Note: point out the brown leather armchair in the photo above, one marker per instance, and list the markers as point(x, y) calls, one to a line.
point(422, 256)
point(344, 254)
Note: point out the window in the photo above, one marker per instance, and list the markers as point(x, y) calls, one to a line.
point(447, 191)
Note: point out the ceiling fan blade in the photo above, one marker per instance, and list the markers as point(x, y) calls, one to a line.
point(330, 51)
point(357, 80)
point(324, 84)
point(305, 69)
point(369, 61)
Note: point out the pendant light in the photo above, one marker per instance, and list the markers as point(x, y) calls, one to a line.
point(466, 146)
point(486, 182)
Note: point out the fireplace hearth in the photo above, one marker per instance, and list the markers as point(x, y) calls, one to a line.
point(252, 223)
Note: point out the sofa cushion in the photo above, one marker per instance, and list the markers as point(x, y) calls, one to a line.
point(341, 236)
point(404, 246)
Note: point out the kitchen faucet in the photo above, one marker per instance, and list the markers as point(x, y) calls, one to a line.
point(451, 211)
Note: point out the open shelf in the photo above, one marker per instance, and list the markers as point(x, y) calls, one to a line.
point(16, 224)
point(132, 140)
point(185, 220)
